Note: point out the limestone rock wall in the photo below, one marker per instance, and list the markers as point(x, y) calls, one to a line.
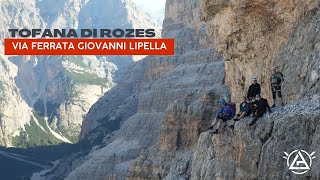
point(137, 106)
point(143, 127)
point(184, 120)
point(257, 152)
point(251, 35)
point(14, 111)
point(159, 114)
point(299, 59)
point(157, 81)
point(62, 88)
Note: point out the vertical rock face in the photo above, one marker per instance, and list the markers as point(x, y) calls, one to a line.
point(160, 75)
point(14, 112)
point(184, 120)
point(252, 35)
point(60, 14)
point(182, 21)
point(299, 59)
point(257, 152)
point(140, 108)
point(102, 14)
point(63, 89)
point(16, 14)
point(244, 37)
point(149, 126)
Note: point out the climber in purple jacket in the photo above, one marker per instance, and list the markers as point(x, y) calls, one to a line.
point(225, 113)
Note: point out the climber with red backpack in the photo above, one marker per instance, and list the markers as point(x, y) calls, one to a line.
point(226, 112)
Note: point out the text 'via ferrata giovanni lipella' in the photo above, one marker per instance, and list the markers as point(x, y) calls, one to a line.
point(87, 42)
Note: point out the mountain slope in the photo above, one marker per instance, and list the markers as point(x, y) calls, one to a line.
point(135, 109)
point(158, 114)
point(62, 89)
point(15, 113)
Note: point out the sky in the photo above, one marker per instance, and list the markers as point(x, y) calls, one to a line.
point(154, 7)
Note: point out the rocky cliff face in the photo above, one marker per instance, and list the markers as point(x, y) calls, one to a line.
point(160, 75)
point(17, 14)
point(240, 153)
point(184, 120)
point(62, 89)
point(257, 152)
point(137, 108)
point(253, 36)
point(15, 113)
point(150, 126)
point(256, 35)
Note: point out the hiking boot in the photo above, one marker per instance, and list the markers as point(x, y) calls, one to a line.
point(273, 106)
point(282, 104)
point(253, 121)
point(231, 127)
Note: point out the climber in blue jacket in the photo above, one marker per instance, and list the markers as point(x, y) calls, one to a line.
point(225, 113)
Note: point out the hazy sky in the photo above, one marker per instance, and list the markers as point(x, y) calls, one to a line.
point(154, 7)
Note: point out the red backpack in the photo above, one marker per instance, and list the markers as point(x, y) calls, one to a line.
point(234, 106)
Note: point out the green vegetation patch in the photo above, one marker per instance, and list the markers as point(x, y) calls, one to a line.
point(76, 60)
point(66, 132)
point(41, 121)
point(86, 78)
point(83, 77)
point(34, 136)
point(69, 78)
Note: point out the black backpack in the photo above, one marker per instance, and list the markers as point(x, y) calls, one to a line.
point(277, 78)
point(280, 77)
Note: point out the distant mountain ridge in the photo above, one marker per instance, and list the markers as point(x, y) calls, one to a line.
point(60, 90)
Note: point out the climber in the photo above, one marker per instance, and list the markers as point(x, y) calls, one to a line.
point(261, 106)
point(254, 89)
point(225, 113)
point(244, 109)
point(276, 84)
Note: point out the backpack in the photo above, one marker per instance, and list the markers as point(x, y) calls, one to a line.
point(228, 110)
point(234, 107)
point(277, 78)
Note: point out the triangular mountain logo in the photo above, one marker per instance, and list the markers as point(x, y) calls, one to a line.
point(299, 162)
